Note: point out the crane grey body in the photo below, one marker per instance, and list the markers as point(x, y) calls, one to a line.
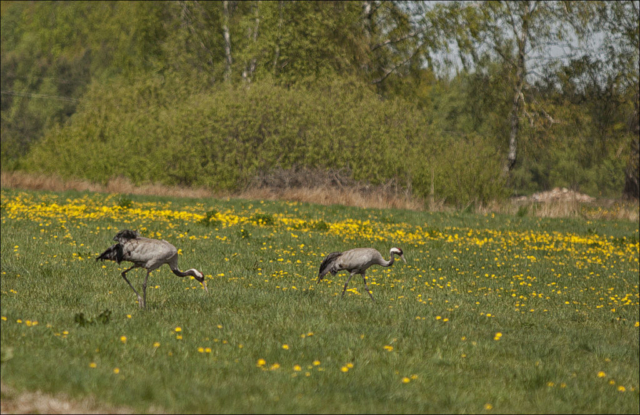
point(356, 261)
point(146, 253)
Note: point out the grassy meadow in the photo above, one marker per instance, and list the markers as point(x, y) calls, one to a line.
point(492, 313)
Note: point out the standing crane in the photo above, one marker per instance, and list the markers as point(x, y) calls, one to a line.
point(356, 261)
point(146, 253)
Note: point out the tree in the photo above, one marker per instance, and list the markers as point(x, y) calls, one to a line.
point(515, 33)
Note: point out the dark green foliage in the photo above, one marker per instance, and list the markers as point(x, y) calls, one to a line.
point(210, 219)
point(82, 321)
point(522, 211)
point(320, 226)
point(125, 202)
point(262, 219)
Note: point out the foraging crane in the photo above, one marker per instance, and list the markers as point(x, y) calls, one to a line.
point(146, 253)
point(356, 261)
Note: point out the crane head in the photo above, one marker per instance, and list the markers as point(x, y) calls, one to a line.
point(398, 252)
point(199, 276)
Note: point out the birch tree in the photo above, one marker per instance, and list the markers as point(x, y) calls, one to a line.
point(227, 41)
point(519, 34)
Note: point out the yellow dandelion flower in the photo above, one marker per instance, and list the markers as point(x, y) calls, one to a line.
point(388, 348)
point(116, 370)
point(406, 380)
point(93, 365)
point(156, 344)
point(316, 362)
point(123, 339)
point(344, 369)
point(178, 329)
point(612, 382)
point(350, 365)
point(488, 406)
point(285, 346)
point(179, 337)
point(621, 388)
point(550, 384)
point(601, 374)
point(261, 362)
point(5, 319)
point(297, 368)
point(208, 350)
point(635, 325)
point(200, 349)
point(414, 377)
point(274, 366)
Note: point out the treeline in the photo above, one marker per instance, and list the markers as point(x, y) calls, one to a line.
point(463, 101)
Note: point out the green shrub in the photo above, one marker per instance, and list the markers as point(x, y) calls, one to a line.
point(224, 138)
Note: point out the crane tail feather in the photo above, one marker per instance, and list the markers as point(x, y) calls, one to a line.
point(328, 265)
point(113, 253)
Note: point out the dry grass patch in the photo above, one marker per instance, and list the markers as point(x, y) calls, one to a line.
point(322, 193)
point(19, 180)
point(336, 188)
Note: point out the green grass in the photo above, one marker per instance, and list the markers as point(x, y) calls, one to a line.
point(432, 312)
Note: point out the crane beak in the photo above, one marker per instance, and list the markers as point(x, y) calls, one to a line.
point(402, 256)
point(203, 282)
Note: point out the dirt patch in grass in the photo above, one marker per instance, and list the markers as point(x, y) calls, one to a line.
point(14, 402)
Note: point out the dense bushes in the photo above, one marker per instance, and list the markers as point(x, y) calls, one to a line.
point(162, 131)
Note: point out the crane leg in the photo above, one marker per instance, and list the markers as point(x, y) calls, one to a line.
point(140, 300)
point(144, 290)
point(366, 287)
point(347, 283)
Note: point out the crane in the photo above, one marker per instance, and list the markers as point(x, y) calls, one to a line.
point(356, 261)
point(146, 253)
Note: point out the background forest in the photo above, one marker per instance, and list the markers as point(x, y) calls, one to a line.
point(469, 101)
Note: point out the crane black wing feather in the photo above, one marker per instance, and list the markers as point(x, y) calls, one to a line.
point(328, 265)
point(113, 253)
point(125, 235)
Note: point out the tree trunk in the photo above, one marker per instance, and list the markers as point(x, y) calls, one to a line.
point(632, 173)
point(251, 66)
point(227, 40)
point(521, 74)
point(277, 54)
point(512, 156)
